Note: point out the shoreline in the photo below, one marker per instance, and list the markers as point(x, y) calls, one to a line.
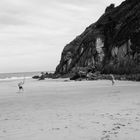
point(88, 76)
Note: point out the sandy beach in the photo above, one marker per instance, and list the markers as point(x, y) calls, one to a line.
point(70, 110)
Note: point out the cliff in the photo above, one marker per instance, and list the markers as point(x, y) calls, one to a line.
point(110, 45)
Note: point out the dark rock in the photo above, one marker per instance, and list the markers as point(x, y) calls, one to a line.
point(111, 45)
point(46, 75)
point(75, 76)
point(110, 8)
point(79, 75)
point(42, 77)
point(36, 77)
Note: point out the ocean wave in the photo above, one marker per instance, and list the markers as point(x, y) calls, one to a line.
point(14, 78)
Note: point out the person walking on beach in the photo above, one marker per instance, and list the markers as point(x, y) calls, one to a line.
point(112, 79)
point(20, 85)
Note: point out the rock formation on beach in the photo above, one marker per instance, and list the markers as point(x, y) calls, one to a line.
point(110, 45)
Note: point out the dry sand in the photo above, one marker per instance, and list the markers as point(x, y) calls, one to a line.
point(69, 110)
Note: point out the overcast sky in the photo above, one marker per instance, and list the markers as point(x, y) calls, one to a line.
point(33, 33)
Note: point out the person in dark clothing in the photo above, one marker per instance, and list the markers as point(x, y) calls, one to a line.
point(20, 86)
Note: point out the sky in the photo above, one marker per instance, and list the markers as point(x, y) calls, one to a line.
point(33, 33)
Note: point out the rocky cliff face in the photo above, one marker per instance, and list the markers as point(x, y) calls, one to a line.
point(111, 45)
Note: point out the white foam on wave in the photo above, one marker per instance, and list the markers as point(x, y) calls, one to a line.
point(14, 78)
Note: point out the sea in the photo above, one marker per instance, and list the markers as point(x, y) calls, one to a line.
point(18, 75)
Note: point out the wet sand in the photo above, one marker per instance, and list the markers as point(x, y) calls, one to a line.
point(69, 110)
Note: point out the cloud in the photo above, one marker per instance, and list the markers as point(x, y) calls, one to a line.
point(34, 31)
point(6, 19)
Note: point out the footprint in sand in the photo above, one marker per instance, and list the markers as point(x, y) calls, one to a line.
point(95, 122)
point(137, 119)
point(113, 132)
point(118, 114)
point(107, 137)
point(6, 119)
point(119, 124)
point(55, 128)
point(116, 128)
point(116, 133)
point(104, 124)
point(105, 131)
point(4, 131)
